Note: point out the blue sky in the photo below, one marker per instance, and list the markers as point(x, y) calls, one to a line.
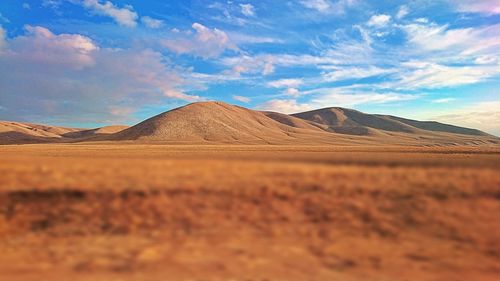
point(89, 63)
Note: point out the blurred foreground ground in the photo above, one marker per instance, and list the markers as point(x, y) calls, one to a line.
point(109, 212)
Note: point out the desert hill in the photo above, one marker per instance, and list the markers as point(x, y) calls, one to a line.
point(222, 123)
point(218, 122)
point(344, 120)
point(19, 133)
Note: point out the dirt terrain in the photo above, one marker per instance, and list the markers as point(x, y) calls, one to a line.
point(109, 212)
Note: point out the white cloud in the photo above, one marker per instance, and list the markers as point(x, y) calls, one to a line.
point(177, 94)
point(348, 96)
point(125, 16)
point(487, 59)
point(491, 7)
point(418, 75)
point(344, 53)
point(379, 20)
point(26, 6)
point(433, 37)
point(262, 64)
point(443, 100)
point(51, 3)
point(449, 57)
point(442, 57)
point(230, 14)
point(206, 42)
point(340, 96)
point(422, 20)
point(205, 34)
point(319, 5)
point(69, 73)
point(294, 92)
point(151, 22)
point(350, 52)
point(2, 38)
point(284, 106)
point(344, 73)
point(247, 9)
point(199, 81)
point(458, 44)
point(258, 63)
point(329, 6)
point(241, 99)
point(285, 83)
point(240, 38)
point(268, 68)
point(402, 12)
point(40, 45)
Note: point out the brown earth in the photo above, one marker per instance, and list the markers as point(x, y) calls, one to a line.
point(105, 212)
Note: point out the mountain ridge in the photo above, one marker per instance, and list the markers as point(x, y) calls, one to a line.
point(215, 122)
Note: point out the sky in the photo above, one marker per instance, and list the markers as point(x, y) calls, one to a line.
point(89, 63)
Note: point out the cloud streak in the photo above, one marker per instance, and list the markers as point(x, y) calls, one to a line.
point(125, 16)
point(379, 20)
point(241, 99)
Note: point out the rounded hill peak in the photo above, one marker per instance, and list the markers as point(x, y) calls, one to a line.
point(211, 121)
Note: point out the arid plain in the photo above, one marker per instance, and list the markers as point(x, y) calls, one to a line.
point(109, 211)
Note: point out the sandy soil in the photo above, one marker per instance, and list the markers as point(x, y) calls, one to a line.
point(109, 212)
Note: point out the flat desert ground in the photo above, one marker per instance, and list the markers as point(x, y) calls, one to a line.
point(110, 212)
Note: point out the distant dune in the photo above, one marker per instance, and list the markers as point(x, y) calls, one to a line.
point(222, 123)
